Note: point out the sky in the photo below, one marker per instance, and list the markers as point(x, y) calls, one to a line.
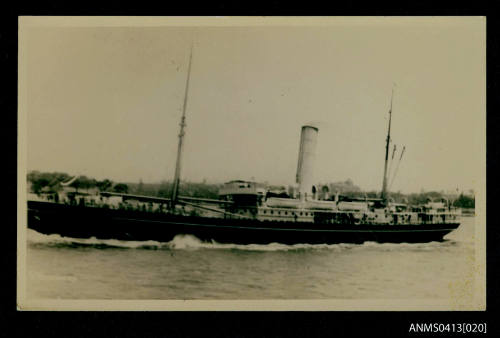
point(105, 101)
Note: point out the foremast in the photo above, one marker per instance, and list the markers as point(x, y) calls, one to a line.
point(384, 193)
point(175, 187)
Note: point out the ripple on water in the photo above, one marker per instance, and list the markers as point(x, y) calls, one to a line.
point(186, 268)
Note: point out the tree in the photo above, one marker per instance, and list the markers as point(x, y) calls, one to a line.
point(140, 188)
point(38, 184)
point(40, 180)
point(104, 185)
point(121, 188)
point(464, 201)
point(165, 189)
point(83, 182)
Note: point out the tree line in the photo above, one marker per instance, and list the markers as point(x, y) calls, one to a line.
point(51, 182)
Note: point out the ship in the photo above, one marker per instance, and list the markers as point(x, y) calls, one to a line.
point(247, 212)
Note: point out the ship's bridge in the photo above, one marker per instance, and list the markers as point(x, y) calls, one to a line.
point(243, 192)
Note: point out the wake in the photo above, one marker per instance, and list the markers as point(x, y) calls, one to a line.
point(189, 242)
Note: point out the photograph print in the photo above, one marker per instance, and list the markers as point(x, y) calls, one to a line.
point(220, 163)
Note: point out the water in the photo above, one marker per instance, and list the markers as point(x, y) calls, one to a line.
point(185, 268)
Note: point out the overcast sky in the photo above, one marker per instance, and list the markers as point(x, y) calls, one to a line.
point(106, 101)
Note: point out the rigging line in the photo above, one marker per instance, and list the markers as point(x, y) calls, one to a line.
point(397, 167)
point(389, 171)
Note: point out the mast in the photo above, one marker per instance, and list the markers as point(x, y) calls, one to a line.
point(383, 195)
point(175, 188)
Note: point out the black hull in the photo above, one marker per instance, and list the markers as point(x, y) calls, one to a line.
point(86, 222)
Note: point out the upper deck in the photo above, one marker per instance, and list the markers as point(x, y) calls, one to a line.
point(239, 187)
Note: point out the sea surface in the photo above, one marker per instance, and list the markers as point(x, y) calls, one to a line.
point(185, 268)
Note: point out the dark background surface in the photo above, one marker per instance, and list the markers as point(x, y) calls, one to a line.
point(228, 324)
